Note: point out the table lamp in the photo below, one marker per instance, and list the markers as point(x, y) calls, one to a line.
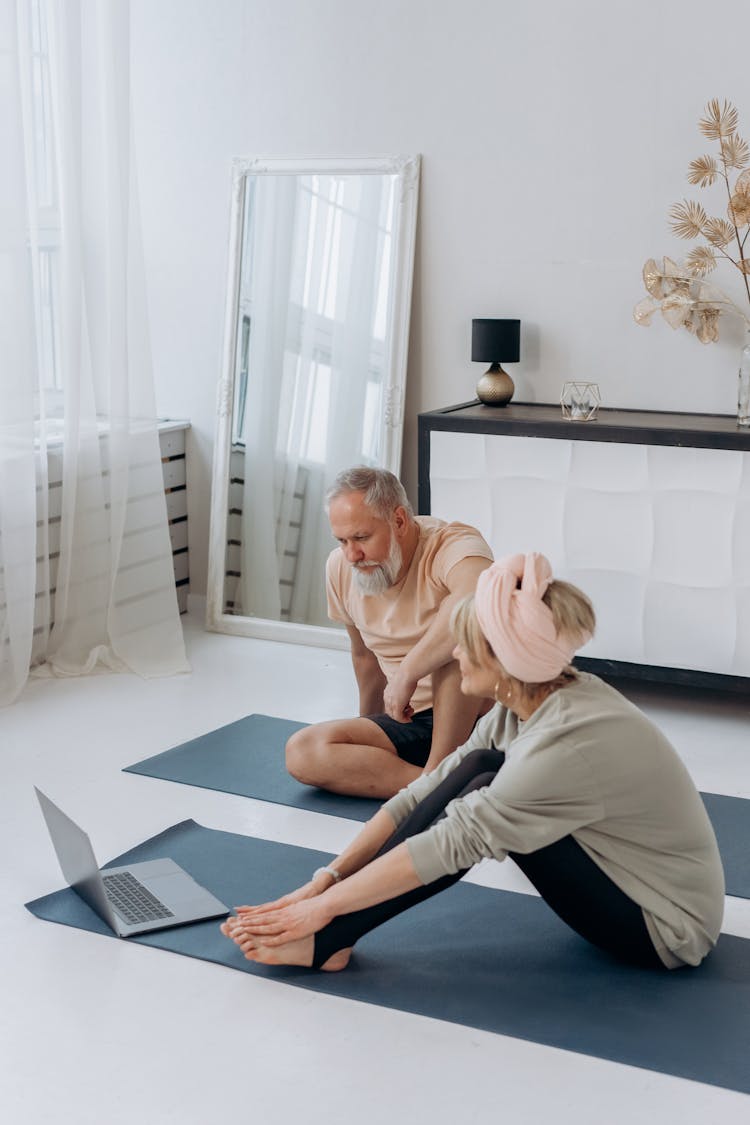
point(495, 342)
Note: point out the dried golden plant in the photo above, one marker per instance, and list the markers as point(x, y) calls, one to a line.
point(684, 296)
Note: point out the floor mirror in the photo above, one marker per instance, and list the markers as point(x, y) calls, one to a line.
point(319, 287)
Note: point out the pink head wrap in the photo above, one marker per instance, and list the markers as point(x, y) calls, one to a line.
point(517, 623)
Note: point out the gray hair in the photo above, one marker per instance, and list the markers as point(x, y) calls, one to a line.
point(383, 492)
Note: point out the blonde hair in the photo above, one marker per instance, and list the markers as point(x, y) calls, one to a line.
point(572, 615)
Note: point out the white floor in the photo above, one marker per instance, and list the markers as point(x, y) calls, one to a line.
point(100, 1031)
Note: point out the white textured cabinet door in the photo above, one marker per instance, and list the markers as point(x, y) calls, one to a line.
point(657, 536)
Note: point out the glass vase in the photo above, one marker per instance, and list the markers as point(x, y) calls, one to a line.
point(743, 389)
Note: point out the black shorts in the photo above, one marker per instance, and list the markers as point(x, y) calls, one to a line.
point(412, 740)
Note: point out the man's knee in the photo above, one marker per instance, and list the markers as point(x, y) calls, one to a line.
point(303, 755)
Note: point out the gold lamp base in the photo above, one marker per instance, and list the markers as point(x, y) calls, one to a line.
point(496, 387)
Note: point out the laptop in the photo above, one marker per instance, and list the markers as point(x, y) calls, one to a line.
point(134, 899)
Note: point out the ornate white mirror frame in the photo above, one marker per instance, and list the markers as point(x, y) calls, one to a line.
point(264, 224)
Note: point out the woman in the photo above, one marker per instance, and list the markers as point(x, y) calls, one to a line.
point(563, 774)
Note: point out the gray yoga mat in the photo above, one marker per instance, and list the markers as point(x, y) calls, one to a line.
point(247, 758)
point(522, 972)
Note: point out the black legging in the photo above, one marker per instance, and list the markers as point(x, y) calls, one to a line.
point(567, 879)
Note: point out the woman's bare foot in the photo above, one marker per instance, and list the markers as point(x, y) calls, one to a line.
point(292, 953)
point(337, 961)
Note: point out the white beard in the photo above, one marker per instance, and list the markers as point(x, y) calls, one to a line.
point(374, 580)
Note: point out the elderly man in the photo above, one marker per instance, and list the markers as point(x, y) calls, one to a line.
point(393, 582)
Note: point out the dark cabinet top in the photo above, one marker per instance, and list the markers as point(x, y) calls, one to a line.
point(635, 427)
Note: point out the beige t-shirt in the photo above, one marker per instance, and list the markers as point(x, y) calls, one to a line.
point(391, 623)
point(589, 764)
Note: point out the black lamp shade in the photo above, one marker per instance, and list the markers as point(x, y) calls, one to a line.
point(495, 341)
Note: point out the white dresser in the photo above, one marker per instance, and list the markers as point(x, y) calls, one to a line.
point(172, 448)
point(648, 512)
point(172, 436)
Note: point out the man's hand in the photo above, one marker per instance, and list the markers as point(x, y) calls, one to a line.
point(397, 698)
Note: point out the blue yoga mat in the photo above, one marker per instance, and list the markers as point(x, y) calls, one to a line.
point(247, 758)
point(522, 972)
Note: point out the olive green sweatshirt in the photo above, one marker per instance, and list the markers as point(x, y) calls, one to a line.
point(589, 764)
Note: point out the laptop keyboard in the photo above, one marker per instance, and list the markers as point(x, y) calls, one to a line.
point(132, 901)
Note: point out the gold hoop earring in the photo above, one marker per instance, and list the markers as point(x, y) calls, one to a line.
point(508, 693)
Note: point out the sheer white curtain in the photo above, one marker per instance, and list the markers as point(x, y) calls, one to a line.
point(343, 392)
point(17, 361)
point(316, 247)
point(93, 584)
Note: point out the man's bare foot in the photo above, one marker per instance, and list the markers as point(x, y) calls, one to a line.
point(292, 953)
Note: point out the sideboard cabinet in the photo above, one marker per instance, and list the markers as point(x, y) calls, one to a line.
point(648, 512)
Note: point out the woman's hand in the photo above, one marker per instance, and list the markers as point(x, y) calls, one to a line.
point(248, 917)
point(278, 924)
point(309, 890)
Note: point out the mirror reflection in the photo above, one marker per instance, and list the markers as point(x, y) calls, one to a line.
point(321, 301)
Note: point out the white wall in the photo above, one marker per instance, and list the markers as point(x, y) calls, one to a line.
point(554, 136)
